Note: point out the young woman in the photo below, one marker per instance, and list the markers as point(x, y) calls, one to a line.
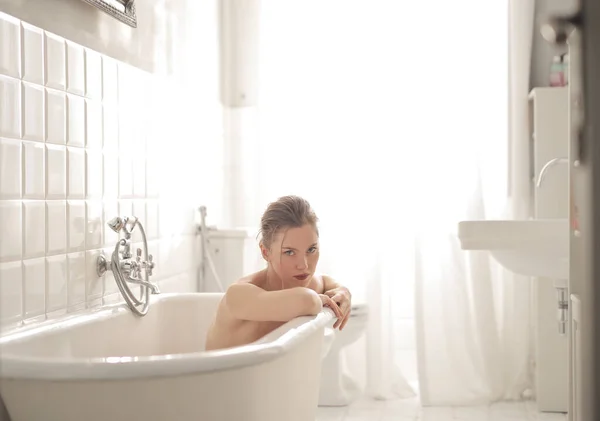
point(259, 303)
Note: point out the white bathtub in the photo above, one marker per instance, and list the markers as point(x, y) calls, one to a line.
point(111, 365)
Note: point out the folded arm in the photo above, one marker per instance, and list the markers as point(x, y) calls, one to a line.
point(341, 296)
point(249, 302)
point(332, 287)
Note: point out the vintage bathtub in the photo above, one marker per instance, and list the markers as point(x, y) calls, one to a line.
point(109, 364)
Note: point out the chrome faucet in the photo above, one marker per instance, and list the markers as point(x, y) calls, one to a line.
point(547, 166)
point(128, 270)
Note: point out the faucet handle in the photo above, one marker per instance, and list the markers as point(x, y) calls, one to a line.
point(150, 265)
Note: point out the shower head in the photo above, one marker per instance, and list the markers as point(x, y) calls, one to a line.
point(116, 224)
point(130, 222)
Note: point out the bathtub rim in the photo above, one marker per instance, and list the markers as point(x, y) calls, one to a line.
point(273, 345)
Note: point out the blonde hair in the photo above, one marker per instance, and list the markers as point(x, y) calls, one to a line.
point(286, 212)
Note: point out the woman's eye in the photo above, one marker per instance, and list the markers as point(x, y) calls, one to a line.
point(289, 252)
point(312, 249)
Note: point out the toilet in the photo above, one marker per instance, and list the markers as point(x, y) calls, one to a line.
point(235, 253)
point(338, 388)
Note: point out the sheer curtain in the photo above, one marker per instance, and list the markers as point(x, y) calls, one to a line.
point(391, 119)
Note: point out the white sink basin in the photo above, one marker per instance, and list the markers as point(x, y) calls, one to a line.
point(538, 247)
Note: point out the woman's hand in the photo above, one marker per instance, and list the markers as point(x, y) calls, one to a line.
point(328, 302)
point(342, 297)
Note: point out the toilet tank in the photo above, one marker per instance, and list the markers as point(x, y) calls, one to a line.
point(235, 253)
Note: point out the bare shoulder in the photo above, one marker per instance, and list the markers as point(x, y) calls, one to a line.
point(330, 283)
point(322, 283)
point(254, 279)
point(257, 279)
point(327, 278)
point(318, 283)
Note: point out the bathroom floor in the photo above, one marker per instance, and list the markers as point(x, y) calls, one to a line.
point(410, 410)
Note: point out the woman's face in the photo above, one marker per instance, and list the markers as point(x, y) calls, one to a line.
point(293, 255)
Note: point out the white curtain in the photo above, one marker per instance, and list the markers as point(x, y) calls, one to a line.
point(391, 118)
point(473, 317)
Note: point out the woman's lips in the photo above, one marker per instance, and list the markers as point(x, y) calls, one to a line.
point(301, 277)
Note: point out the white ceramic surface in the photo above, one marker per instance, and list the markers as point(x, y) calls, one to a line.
point(109, 364)
point(538, 247)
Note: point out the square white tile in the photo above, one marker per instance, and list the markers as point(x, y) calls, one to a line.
point(75, 120)
point(75, 173)
point(110, 210)
point(34, 225)
point(126, 130)
point(56, 121)
point(34, 272)
point(110, 285)
point(34, 170)
point(111, 176)
point(110, 117)
point(11, 292)
point(76, 281)
point(33, 112)
point(93, 74)
point(56, 278)
point(11, 228)
point(151, 219)
point(110, 90)
point(10, 112)
point(10, 53)
point(94, 283)
point(75, 69)
point(33, 54)
point(76, 229)
point(94, 169)
point(56, 172)
point(56, 222)
point(152, 179)
point(139, 211)
point(125, 207)
point(93, 237)
point(56, 62)
point(125, 177)
point(139, 178)
point(110, 299)
point(129, 85)
point(10, 170)
point(94, 124)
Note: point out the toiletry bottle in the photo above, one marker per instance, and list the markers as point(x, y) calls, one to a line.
point(556, 72)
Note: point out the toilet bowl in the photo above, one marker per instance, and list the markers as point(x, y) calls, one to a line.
point(338, 388)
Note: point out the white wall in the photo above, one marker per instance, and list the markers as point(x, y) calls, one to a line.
point(84, 138)
point(89, 26)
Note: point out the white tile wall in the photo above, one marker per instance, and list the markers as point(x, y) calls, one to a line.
point(77, 148)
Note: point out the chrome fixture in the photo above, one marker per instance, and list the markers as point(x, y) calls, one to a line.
point(123, 10)
point(547, 166)
point(129, 270)
point(207, 257)
point(563, 309)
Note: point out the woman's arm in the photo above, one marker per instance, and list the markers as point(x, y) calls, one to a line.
point(249, 302)
point(341, 296)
